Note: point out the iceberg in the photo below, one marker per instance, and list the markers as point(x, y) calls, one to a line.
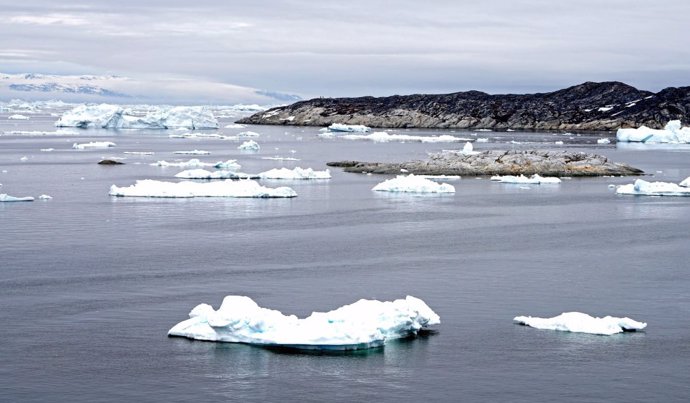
point(361, 325)
point(339, 127)
point(643, 188)
point(383, 137)
point(115, 117)
point(413, 184)
point(249, 145)
point(187, 189)
point(535, 179)
point(221, 174)
point(671, 133)
point(18, 117)
point(93, 144)
point(578, 322)
point(468, 149)
point(685, 182)
point(192, 152)
point(295, 174)
point(4, 197)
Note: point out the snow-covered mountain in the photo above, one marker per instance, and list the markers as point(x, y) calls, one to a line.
point(119, 89)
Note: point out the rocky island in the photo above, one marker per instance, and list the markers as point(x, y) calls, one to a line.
point(588, 106)
point(494, 162)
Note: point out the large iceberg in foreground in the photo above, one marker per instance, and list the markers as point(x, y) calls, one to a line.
point(671, 133)
point(643, 188)
point(364, 324)
point(115, 117)
point(187, 189)
point(582, 323)
point(535, 179)
point(413, 184)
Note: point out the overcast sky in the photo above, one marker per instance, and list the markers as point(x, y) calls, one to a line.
point(356, 47)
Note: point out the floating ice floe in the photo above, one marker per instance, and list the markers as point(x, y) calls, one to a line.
point(384, 137)
point(93, 144)
point(361, 325)
point(187, 189)
point(192, 152)
point(685, 182)
point(468, 149)
point(558, 143)
point(643, 188)
point(603, 141)
point(440, 177)
point(413, 184)
point(249, 145)
point(578, 322)
point(138, 152)
point(672, 133)
point(24, 159)
point(276, 158)
point(45, 197)
point(235, 126)
point(221, 174)
point(4, 197)
point(115, 117)
point(339, 127)
point(535, 179)
point(18, 117)
point(47, 150)
point(482, 140)
point(248, 134)
point(196, 135)
point(295, 174)
point(59, 132)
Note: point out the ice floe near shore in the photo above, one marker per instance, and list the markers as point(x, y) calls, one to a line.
point(115, 117)
point(363, 324)
point(384, 137)
point(5, 198)
point(535, 179)
point(339, 127)
point(413, 184)
point(643, 188)
point(578, 322)
point(249, 145)
point(18, 117)
point(231, 165)
point(673, 132)
point(186, 189)
point(93, 144)
point(295, 174)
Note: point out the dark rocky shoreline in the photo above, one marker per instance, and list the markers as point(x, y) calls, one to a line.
point(494, 162)
point(588, 106)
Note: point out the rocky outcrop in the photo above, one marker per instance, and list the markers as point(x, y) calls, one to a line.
point(494, 162)
point(588, 106)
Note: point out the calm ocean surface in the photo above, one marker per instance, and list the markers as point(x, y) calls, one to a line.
point(90, 284)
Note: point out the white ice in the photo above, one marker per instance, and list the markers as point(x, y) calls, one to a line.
point(673, 132)
point(187, 189)
point(139, 152)
point(384, 137)
point(18, 117)
point(339, 127)
point(582, 323)
point(93, 144)
point(4, 197)
point(685, 182)
point(295, 174)
point(235, 126)
point(643, 188)
point(115, 117)
point(535, 179)
point(220, 174)
point(468, 149)
point(248, 134)
point(192, 152)
point(45, 197)
point(603, 141)
point(413, 184)
point(249, 145)
point(363, 324)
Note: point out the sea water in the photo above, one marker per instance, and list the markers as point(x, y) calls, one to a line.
point(90, 284)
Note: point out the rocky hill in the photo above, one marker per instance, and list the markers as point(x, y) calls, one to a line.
point(588, 106)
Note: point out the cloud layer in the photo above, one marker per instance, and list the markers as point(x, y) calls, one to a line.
point(359, 47)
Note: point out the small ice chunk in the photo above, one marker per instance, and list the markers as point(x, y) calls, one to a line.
point(47, 150)
point(24, 158)
point(643, 188)
point(468, 149)
point(535, 179)
point(339, 127)
point(482, 140)
point(384, 137)
point(18, 117)
point(559, 143)
point(603, 141)
point(192, 152)
point(93, 144)
point(45, 197)
point(582, 323)
point(4, 197)
point(249, 145)
point(235, 126)
point(295, 174)
point(413, 184)
point(248, 134)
